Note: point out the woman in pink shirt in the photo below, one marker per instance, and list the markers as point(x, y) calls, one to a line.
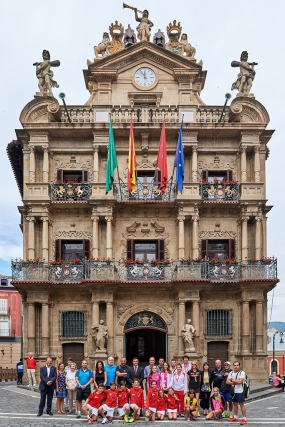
point(154, 375)
point(166, 377)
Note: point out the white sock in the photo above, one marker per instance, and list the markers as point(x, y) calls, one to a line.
point(235, 416)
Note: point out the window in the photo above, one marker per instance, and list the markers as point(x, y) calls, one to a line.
point(218, 323)
point(145, 249)
point(148, 183)
point(4, 326)
point(72, 175)
point(218, 249)
point(211, 176)
point(4, 282)
point(3, 306)
point(72, 325)
point(72, 249)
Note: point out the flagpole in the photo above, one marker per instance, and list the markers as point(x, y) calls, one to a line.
point(119, 179)
point(171, 178)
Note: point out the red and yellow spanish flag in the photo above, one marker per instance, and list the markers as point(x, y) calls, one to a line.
point(132, 176)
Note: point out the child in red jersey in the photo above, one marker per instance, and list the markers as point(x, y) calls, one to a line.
point(137, 401)
point(110, 403)
point(172, 400)
point(151, 402)
point(93, 402)
point(123, 401)
point(161, 405)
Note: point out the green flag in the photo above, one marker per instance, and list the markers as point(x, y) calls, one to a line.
point(112, 163)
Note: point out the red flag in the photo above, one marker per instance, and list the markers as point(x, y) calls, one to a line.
point(161, 162)
point(132, 179)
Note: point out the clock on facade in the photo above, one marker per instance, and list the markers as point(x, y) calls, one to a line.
point(145, 77)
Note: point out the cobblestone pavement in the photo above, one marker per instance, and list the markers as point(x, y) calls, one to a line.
point(19, 408)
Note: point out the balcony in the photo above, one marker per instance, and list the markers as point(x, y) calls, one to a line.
point(220, 191)
point(7, 332)
point(145, 192)
point(147, 271)
point(70, 192)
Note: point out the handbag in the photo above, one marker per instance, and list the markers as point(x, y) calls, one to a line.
point(205, 387)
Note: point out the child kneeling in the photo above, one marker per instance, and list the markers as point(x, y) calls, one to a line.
point(93, 402)
point(217, 405)
point(191, 406)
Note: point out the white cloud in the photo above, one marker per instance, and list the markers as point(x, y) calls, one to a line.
point(9, 251)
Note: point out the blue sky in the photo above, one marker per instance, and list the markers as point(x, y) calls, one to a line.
point(220, 30)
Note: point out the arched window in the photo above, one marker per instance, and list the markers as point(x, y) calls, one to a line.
point(72, 325)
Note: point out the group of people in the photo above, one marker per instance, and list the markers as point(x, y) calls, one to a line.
point(172, 389)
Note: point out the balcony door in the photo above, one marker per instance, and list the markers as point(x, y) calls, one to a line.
point(218, 249)
point(69, 250)
point(145, 250)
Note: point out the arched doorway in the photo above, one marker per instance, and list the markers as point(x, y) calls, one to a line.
point(145, 336)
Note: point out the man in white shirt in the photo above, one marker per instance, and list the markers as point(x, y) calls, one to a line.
point(236, 379)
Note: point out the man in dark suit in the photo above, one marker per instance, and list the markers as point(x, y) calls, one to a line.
point(47, 386)
point(136, 371)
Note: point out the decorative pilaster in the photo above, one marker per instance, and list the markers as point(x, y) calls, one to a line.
point(257, 163)
point(110, 324)
point(258, 238)
point(45, 329)
point(194, 164)
point(245, 327)
point(243, 163)
point(181, 322)
point(31, 237)
point(181, 243)
point(45, 255)
point(95, 162)
point(95, 219)
point(109, 240)
point(31, 327)
point(46, 164)
point(259, 326)
point(95, 312)
point(196, 320)
point(195, 236)
point(32, 172)
point(244, 238)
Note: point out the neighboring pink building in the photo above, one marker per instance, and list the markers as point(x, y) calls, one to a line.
point(279, 353)
point(10, 323)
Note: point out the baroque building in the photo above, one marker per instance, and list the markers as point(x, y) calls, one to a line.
point(144, 262)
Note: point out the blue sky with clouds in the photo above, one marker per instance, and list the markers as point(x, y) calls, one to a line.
point(220, 30)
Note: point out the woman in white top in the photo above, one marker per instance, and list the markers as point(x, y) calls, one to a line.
point(166, 377)
point(71, 386)
point(180, 387)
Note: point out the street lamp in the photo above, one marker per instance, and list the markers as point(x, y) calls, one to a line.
point(274, 365)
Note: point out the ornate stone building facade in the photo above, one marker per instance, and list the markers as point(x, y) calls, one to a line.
point(200, 255)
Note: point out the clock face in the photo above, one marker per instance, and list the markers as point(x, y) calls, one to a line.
point(145, 77)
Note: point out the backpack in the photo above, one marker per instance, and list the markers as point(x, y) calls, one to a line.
point(246, 387)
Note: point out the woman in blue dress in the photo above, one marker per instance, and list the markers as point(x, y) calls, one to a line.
point(60, 388)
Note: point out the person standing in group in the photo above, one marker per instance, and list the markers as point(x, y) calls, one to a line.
point(100, 375)
point(67, 369)
point(180, 387)
point(123, 394)
point(160, 364)
point(172, 403)
point(136, 401)
point(154, 375)
point(107, 409)
point(110, 369)
point(20, 371)
point(236, 379)
point(225, 391)
point(93, 403)
point(83, 377)
point(206, 381)
point(148, 368)
point(123, 373)
point(47, 386)
point(31, 369)
point(173, 366)
point(136, 372)
point(217, 405)
point(166, 377)
point(71, 386)
point(194, 378)
point(217, 374)
point(161, 405)
point(186, 365)
point(151, 402)
point(60, 388)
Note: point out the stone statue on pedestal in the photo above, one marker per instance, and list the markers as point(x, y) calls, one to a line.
point(100, 336)
point(45, 74)
point(188, 334)
point(144, 26)
point(246, 75)
point(102, 48)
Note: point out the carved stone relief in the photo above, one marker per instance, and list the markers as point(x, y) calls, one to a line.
point(217, 234)
point(77, 165)
point(218, 164)
point(72, 234)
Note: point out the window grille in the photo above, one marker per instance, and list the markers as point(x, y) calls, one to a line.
point(72, 325)
point(218, 324)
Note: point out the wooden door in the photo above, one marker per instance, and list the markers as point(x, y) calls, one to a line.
point(75, 351)
point(217, 350)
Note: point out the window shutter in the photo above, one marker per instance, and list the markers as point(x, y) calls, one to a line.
point(229, 175)
point(205, 175)
point(232, 248)
point(57, 249)
point(85, 175)
point(130, 249)
point(59, 174)
point(160, 249)
point(204, 248)
point(86, 249)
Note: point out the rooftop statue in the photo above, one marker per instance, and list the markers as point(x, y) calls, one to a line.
point(145, 24)
point(117, 33)
point(102, 48)
point(45, 74)
point(187, 49)
point(246, 75)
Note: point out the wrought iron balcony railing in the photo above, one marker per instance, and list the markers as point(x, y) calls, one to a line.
point(216, 191)
point(67, 192)
point(145, 192)
point(144, 272)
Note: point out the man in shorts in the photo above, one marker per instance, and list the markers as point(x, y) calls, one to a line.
point(83, 377)
point(93, 403)
point(123, 401)
point(225, 391)
point(107, 409)
point(236, 379)
point(137, 401)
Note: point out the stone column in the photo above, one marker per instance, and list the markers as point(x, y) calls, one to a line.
point(110, 324)
point(196, 317)
point(45, 329)
point(31, 237)
point(95, 313)
point(244, 238)
point(95, 163)
point(243, 163)
point(258, 238)
point(181, 243)
point(31, 327)
point(46, 164)
point(109, 242)
point(45, 256)
point(195, 236)
point(256, 163)
point(32, 172)
point(245, 327)
point(194, 164)
point(259, 326)
point(181, 323)
point(95, 250)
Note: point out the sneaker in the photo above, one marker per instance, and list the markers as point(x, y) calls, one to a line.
point(243, 422)
point(104, 421)
point(225, 415)
point(231, 415)
point(89, 421)
point(233, 420)
point(126, 419)
point(78, 415)
point(199, 414)
point(131, 420)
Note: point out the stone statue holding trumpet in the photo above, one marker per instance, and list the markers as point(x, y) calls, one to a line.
point(145, 24)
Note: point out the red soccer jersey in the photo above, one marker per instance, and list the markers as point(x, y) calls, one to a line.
point(161, 403)
point(95, 399)
point(171, 402)
point(151, 400)
point(111, 398)
point(123, 397)
point(137, 397)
